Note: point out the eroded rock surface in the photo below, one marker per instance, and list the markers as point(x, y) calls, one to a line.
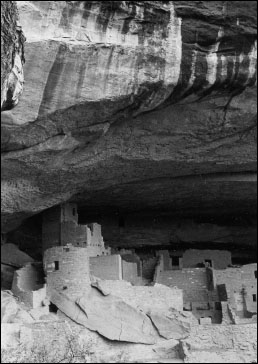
point(12, 56)
point(127, 103)
point(109, 315)
point(219, 343)
point(11, 255)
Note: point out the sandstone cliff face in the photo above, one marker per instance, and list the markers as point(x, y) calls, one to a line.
point(127, 103)
point(12, 56)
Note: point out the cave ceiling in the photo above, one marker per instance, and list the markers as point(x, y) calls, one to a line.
point(133, 106)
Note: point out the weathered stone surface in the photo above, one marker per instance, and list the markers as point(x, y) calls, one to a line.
point(108, 315)
point(127, 104)
point(7, 273)
point(22, 317)
point(220, 343)
point(10, 334)
point(115, 319)
point(157, 298)
point(173, 325)
point(52, 339)
point(12, 56)
point(9, 307)
point(12, 255)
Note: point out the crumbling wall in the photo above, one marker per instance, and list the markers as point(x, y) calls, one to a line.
point(28, 285)
point(129, 272)
point(60, 227)
point(240, 285)
point(133, 258)
point(193, 282)
point(95, 242)
point(67, 270)
point(167, 261)
point(148, 267)
point(147, 298)
point(107, 267)
point(72, 233)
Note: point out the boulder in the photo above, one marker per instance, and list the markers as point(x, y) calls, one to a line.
point(22, 317)
point(9, 307)
point(12, 255)
point(10, 334)
point(110, 316)
point(115, 319)
point(172, 325)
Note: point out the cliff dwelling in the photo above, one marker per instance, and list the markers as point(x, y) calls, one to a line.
point(129, 181)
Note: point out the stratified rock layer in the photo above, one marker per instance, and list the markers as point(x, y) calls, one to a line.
point(12, 56)
point(126, 104)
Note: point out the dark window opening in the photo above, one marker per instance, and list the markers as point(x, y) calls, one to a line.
point(74, 211)
point(208, 263)
point(53, 308)
point(255, 274)
point(66, 249)
point(175, 261)
point(121, 222)
point(254, 297)
point(56, 265)
point(65, 287)
point(218, 306)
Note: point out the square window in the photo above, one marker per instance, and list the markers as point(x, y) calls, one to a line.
point(218, 306)
point(175, 261)
point(208, 262)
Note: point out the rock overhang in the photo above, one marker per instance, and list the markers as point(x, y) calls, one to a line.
point(145, 122)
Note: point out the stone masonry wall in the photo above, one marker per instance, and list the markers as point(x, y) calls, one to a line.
point(236, 280)
point(148, 267)
point(193, 282)
point(67, 270)
point(106, 267)
point(129, 271)
point(72, 233)
point(27, 285)
point(147, 298)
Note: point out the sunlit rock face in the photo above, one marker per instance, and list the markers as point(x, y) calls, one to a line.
point(125, 101)
point(12, 56)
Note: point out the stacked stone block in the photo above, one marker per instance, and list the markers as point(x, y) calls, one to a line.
point(67, 270)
